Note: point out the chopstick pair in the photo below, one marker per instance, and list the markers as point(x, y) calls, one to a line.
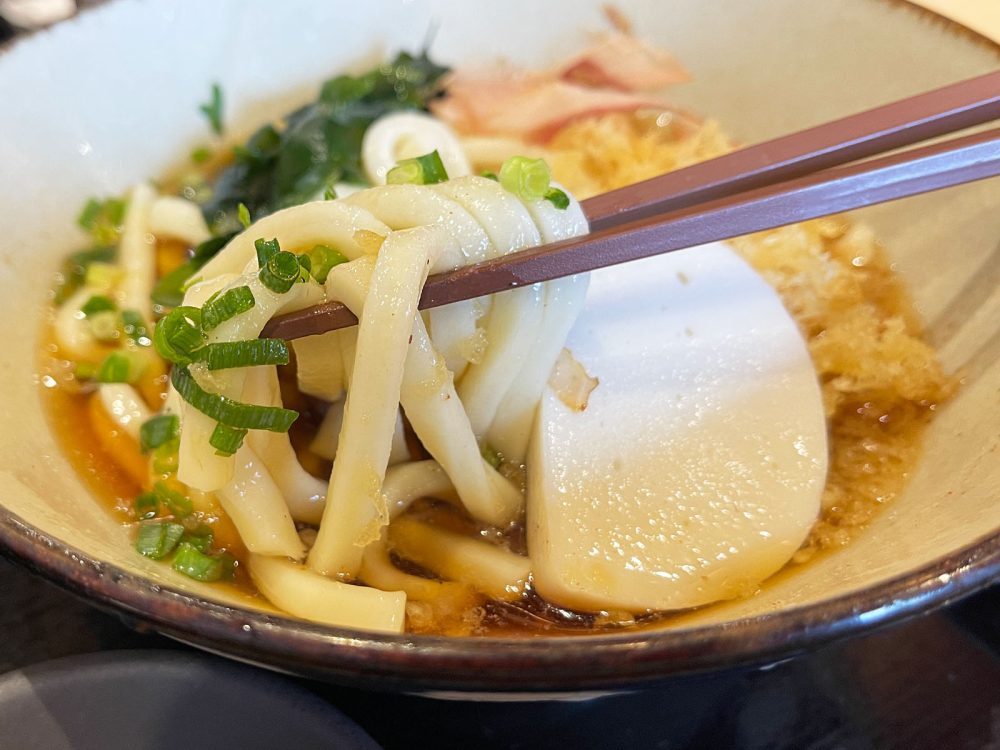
point(794, 178)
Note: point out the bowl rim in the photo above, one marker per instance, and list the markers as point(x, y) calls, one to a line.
point(490, 664)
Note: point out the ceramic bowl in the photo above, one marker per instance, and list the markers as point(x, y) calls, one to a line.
point(111, 97)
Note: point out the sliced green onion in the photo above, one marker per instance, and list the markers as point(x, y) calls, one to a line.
point(104, 325)
point(157, 539)
point(266, 249)
point(201, 154)
point(158, 430)
point(225, 306)
point(330, 194)
point(146, 506)
point(179, 334)
point(165, 458)
point(134, 328)
point(103, 219)
point(74, 270)
point(201, 538)
point(194, 563)
point(251, 353)
point(85, 371)
point(179, 504)
point(227, 411)
point(98, 303)
point(322, 258)
point(121, 367)
point(526, 178)
point(243, 214)
point(213, 109)
point(421, 170)
point(227, 440)
point(557, 198)
point(490, 175)
point(102, 275)
point(280, 272)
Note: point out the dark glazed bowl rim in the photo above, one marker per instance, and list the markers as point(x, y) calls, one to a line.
point(565, 663)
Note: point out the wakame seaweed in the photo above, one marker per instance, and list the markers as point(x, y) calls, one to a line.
point(320, 143)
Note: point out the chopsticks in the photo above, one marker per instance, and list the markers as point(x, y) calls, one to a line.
point(789, 179)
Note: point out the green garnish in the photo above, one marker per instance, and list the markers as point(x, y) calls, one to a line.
point(179, 504)
point(330, 193)
point(322, 259)
point(169, 290)
point(526, 178)
point(194, 563)
point(249, 353)
point(146, 506)
point(421, 170)
point(179, 334)
point(213, 109)
point(165, 458)
point(320, 143)
point(158, 430)
point(102, 275)
point(489, 175)
point(98, 303)
point(201, 539)
point(103, 325)
point(157, 539)
point(201, 154)
point(134, 328)
point(266, 249)
point(243, 213)
point(227, 305)
point(230, 412)
point(103, 220)
point(121, 367)
point(227, 440)
point(74, 270)
point(557, 198)
point(280, 272)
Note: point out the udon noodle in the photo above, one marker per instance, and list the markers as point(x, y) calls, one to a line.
point(397, 498)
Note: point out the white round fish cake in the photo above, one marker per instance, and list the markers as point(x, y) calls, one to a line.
point(697, 467)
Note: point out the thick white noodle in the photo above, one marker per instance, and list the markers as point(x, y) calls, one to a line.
point(319, 369)
point(564, 299)
point(137, 254)
point(300, 591)
point(254, 503)
point(71, 329)
point(124, 406)
point(427, 394)
point(515, 316)
point(303, 493)
point(355, 508)
point(299, 228)
point(403, 206)
point(179, 219)
point(325, 441)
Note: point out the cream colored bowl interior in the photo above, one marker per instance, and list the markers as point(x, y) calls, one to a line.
point(111, 98)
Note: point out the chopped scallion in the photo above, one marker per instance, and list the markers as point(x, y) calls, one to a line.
point(135, 328)
point(179, 334)
point(225, 306)
point(165, 458)
point(157, 539)
point(557, 198)
point(102, 275)
point(266, 249)
point(227, 411)
point(322, 258)
point(421, 170)
point(157, 431)
point(250, 353)
point(103, 219)
point(194, 563)
point(178, 503)
point(201, 538)
point(75, 269)
point(146, 506)
point(227, 440)
point(330, 193)
point(213, 109)
point(98, 303)
point(121, 367)
point(201, 154)
point(104, 325)
point(243, 214)
point(526, 178)
point(280, 272)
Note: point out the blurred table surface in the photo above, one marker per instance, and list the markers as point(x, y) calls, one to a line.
point(932, 682)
